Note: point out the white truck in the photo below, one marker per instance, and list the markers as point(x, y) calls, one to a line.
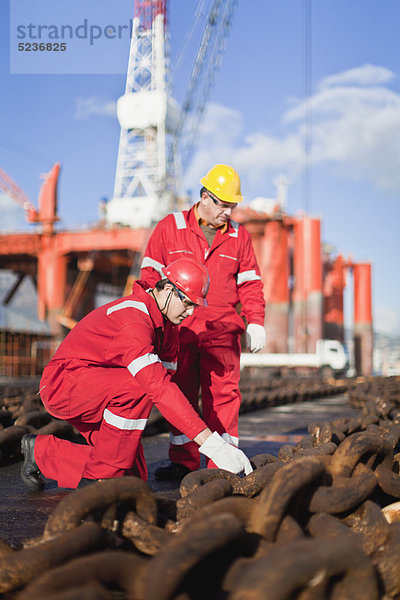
point(330, 358)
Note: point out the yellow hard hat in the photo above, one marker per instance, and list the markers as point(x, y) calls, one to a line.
point(224, 182)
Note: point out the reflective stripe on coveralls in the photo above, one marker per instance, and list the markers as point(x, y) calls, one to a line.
point(149, 262)
point(128, 304)
point(122, 423)
point(108, 392)
point(140, 363)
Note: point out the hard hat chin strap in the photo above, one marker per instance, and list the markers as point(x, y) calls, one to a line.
point(168, 300)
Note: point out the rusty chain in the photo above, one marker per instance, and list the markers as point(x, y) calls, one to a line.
point(311, 523)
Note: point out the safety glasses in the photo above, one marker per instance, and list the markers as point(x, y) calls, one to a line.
point(185, 301)
point(221, 205)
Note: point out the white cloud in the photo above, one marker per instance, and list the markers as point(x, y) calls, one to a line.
point(93, 105)
point(363, 75)
point(355, 129)
point(254, 155)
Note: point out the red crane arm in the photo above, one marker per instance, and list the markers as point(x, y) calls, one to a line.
point(13, 191)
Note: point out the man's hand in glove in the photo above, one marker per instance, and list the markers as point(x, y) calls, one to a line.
point(224, 455)
point(255, 337)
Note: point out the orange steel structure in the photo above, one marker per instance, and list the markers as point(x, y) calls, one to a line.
point(303, 285)
point(60, 262)
point(307, 289)
point(363, 334)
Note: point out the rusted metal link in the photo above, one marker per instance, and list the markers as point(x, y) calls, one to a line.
point(10, 441)
point(249, 486)
point(34, 418)
point(6, 419)
point(22, 402)
point(22, 411)
point(166, 511)
point(20, 567)
point(255, 482)
point(369, 521)
point(385, 560)
point(348, 425)
point(391, 512)
point(289, 530)
point(344, 493)
point(292, 567)
point(391, 431)
point(259, 460)
point(286, 453)
point(93, 575)
point(147, 538)
point(355, 446)
point(99, 496)
point(239, 506)
point(325, 525)
point(175, 563)
point(305, 443)
point(388, 480)
point(115, 514)
point(5, 548)
point(322, 450)
point(195, 479)
point(274, 500)
point(323, 433)
point(201, 496)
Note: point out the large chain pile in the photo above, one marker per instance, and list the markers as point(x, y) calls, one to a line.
point(316, 522)
point(22, 411)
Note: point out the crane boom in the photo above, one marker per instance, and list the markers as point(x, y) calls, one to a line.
point(157, 136)
point(13, 191)
point(208, 60)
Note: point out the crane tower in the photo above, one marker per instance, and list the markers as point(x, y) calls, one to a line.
point(149, 117)
point(157, 135)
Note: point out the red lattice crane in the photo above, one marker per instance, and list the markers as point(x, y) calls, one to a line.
point(46, 215)
point(58, 260)
point(13, 191)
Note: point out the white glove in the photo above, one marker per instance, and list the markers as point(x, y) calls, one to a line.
point(255, 337)
point(224, 455)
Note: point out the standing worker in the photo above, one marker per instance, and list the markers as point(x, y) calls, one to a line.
point(106, 375)
point(209, 355)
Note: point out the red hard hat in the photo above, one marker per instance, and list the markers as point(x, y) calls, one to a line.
point(189, 276)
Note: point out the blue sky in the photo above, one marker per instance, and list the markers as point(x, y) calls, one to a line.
point(254, 118)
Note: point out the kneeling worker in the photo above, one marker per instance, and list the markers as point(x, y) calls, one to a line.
point(107, 374)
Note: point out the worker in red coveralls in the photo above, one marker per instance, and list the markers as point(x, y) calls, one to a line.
point(209, 356)
point(106, 375)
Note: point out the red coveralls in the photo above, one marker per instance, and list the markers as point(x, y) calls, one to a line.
point(104, 379)
point(209, 354)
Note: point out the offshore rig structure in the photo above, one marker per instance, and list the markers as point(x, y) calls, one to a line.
point(303, 283)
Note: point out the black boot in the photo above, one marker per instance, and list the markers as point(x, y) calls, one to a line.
point(173, 472)
point(30, 472)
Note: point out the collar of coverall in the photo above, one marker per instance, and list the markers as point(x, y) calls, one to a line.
point(202, 221)
point(140, 290)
